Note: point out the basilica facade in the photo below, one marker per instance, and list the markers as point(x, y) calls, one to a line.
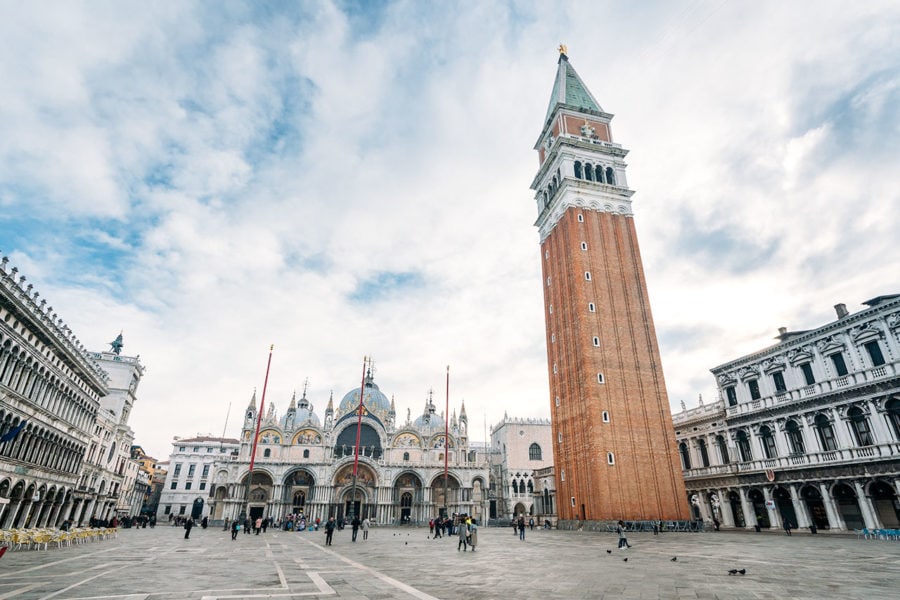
point(304, 463)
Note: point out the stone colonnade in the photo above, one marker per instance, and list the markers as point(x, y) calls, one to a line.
point(839, 505)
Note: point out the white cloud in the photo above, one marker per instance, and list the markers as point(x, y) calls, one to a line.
point(214, 183)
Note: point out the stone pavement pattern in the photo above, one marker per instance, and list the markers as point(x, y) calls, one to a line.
point(158, 564)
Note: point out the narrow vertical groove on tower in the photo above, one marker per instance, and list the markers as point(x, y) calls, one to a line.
point(625, 468)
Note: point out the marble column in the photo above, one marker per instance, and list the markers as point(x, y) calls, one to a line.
point(772, 508)
point(11, 509)
point(835, 520)
point(27, 510)
point(63, 511)
point(870, 516)
point(747, 507)
point(88, 511)
point(725, 509)
point(803, 518)
point(73, 510)
point(705, 508)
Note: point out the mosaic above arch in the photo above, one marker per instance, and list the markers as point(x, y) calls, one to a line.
point(306, 437)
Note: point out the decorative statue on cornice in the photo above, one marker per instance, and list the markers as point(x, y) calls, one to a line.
point(116, 345)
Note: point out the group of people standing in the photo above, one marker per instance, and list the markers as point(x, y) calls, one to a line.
point(355, 524)
point(518, 526)
point(463, 526)
point(467, 530)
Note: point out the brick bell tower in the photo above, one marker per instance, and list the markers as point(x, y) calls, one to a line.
point(615, 451)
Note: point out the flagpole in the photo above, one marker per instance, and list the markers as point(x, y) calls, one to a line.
point(359, 412)
point(447, 442)
point(259, 418)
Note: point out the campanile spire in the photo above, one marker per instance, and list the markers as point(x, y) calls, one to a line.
point(615, 449)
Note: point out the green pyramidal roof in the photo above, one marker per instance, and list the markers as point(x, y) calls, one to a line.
point(568, 89)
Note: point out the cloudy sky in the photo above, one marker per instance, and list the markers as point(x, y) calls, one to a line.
point(352, 178)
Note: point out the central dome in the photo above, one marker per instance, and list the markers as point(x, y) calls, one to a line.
point(374, 401)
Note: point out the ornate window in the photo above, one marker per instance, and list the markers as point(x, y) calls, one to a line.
point(704, 455)
point(578, 171)
point(267, 453)
point(768, 442)
point(685, 456)
point(534, 452)
point(795, 437)
point(892, 410)
point(731, 395)
point(610, 176)
point(406, 456)
point(306, 453)
point(875, 353)
point(860, 426)
point(808, 373)
point(778, 380)
point(840, 367)
point(723, 449)
point(743, 444)
point(825, 433)
point(753, 386)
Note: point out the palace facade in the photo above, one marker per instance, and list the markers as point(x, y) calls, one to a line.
point(806, 431)
point(520, 448)
point(64, 436)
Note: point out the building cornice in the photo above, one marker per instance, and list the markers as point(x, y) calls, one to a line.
point(807, 337)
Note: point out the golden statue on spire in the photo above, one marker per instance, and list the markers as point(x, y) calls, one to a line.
point(563, 49)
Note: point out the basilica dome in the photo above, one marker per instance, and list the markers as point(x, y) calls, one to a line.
point(374, 401)
point(301, 417)
point(428, 423)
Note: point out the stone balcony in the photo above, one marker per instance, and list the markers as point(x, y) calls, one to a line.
point(856, 455)
point(844, 383)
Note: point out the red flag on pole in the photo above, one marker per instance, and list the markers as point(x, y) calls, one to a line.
point(259, 416)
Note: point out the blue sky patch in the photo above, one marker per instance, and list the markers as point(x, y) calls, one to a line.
point(386, 284)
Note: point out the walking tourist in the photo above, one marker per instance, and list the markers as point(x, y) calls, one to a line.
point(623, 541)
point(355, 525)
point(463, 533)
point(473, 534)
point(188, 524)
point(365, 528)
point(329, 530)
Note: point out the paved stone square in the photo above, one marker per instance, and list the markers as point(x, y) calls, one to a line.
point(404, 563)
